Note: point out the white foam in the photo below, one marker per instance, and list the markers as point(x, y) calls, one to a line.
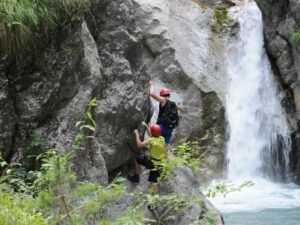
point(262, 195)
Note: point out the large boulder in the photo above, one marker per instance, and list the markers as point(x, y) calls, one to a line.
point(184, 184)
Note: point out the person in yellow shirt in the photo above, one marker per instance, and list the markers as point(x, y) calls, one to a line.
point(156, 144)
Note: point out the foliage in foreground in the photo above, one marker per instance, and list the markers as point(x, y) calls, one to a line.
point(52, 196)
point(182, 155)
point(26, 23)
point(226, 188)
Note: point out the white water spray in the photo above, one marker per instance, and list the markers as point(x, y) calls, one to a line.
point(254, 113)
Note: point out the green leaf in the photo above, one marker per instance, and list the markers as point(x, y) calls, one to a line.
point(90, 117)
point(89, 127)
point(79, 123)
point(93, 102)
point(213, 194)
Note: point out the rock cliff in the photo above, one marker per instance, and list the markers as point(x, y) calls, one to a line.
point(111, 56)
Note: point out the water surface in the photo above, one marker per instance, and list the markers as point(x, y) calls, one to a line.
point(264, 217)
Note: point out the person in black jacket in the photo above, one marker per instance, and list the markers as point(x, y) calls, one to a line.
point(163, 98)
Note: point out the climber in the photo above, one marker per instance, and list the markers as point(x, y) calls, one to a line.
point(156, 143)
point(168, 112)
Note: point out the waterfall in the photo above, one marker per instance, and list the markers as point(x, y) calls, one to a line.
point(258, 142)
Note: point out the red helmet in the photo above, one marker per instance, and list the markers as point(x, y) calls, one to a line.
point(164, 92)
point(155, 130)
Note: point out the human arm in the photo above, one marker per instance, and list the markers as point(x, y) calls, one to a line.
point(140, 144)
point(147, 128)
point(179, 107)
point(152, 93)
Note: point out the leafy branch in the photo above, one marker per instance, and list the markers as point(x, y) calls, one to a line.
point(227, 187)
point(183, 155)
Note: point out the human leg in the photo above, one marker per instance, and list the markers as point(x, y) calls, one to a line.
point(135, 178)
point(166, 133)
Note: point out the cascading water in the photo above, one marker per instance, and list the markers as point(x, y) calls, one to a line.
point(254, 114)
point(258, 145)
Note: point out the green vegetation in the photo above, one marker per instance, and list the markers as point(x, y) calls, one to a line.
point(54, 196)
point(26, 23)
point(87, 126)
point(295, 38)
point(221, 19)
point(172, 205)
point(227, 187)
point(36, 141)
point(220, 16)
point(183, 155)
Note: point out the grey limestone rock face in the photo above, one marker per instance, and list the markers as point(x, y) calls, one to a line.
point(184, 55)
point(59, 90)
point(295, 9)
point(7, 113)
point(123, 99)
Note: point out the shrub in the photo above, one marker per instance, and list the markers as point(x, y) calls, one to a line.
point(183, 155)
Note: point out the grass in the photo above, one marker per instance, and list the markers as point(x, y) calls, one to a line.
point(222, 19)
point(24, 24)
point(220, 16)
point(295, 38)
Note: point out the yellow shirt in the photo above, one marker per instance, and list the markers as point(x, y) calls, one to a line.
point(157, 147)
